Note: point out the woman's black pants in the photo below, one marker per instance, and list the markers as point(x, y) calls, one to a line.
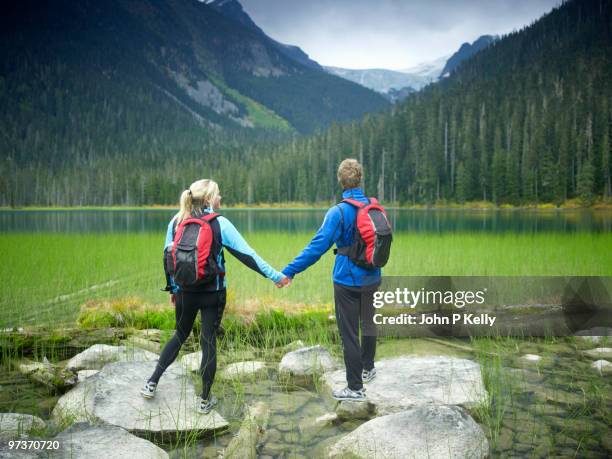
point(210, 305)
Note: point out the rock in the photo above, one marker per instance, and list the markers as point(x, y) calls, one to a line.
point(595, 335)
point(314, 423)
point(112, 397)
point(8, 453)
point(306, 362)
point(98, 355)
point(325, 419)
point(142, 343)
point(405, 382)
point(355, 410)
point(293, 346)
point(603, 366)
point(82, 375)
point(600, 353)
point(240, 370)
point(531, 357)
point(17, 425)
point(86, 441)
point(153, 334)
point(192, 361)
point(244, 444)
point(425, 431)
point(47, 374)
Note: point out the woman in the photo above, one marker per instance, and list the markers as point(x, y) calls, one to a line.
point(201, 198)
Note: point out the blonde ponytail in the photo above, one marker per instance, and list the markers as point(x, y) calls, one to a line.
point(200, 194)
point(186, 206)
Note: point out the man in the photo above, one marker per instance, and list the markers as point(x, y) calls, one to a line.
point(353, 285)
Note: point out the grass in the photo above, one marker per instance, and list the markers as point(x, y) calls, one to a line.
point(47, 277)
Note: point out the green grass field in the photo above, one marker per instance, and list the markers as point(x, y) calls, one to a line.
point(46, 277)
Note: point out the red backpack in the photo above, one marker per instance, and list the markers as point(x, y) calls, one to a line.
point(193, 259)
point(372, 236)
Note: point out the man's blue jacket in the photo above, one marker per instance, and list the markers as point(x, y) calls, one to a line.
point(337, 228)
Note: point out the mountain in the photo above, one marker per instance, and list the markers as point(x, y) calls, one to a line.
point(466, 51)
point(233, 9)
point(393, 84)
point(137, 72)
point(429, 71)
point(397, 84)
point(397, 95)
point(380, 80)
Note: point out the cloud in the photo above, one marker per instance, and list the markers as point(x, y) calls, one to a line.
point(392, 34)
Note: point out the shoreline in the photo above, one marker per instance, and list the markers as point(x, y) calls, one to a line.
point(477, 205)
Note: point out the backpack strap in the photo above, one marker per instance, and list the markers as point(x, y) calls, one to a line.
point(354, 203)
point(210, 217)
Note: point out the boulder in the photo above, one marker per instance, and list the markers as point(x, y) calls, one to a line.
point(426, 431)
point(241, 370)
point(17, 425)
point(603, 366)
point(98, 355)
point(86, 441)
point(112, 396)
point(306, 362)
point(600, 353)
point(405, 382)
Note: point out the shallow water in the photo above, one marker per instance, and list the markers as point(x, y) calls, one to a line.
point(559, 406)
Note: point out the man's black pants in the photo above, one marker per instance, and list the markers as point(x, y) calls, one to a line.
point(354, 310)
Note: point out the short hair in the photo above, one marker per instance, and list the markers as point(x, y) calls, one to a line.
point(349, 173)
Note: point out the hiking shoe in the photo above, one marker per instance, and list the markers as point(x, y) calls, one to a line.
point(148, 391)
point(349, 395)
point(206, 406)
point(367, 376)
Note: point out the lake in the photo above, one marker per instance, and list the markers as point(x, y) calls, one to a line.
point(306, 220)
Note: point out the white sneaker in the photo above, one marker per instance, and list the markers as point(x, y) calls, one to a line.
point(206, 406)
point(148, 391)
point(347, 394)
point(367, 376)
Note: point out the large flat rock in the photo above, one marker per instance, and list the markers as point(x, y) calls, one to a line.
point(406, 382)
point(427, 431)
point(112, 397)
point(85, 441)
point(98, 355)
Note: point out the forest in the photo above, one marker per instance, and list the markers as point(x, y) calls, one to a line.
point(527, 120)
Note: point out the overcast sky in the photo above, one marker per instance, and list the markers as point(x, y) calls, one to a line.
point(392, 34)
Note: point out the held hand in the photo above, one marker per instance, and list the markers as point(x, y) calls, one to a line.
point(172, 299)
point(284, 282)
